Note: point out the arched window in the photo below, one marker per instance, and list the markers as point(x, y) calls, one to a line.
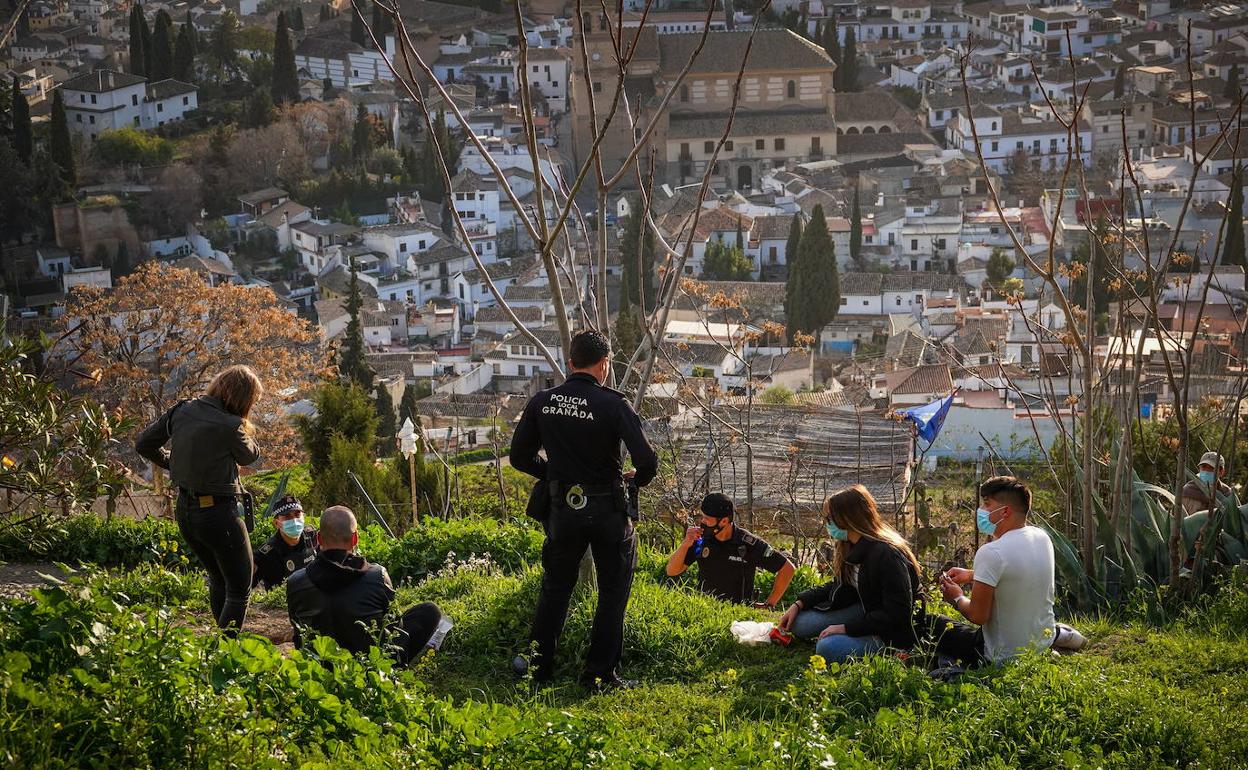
point(852, 130)
point(868, 130)
point(885, 130)
point(792, 89)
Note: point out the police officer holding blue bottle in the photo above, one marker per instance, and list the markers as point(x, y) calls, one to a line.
point(581, 425)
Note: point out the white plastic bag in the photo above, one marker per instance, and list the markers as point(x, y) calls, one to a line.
point(439, 635)
point(752, 632)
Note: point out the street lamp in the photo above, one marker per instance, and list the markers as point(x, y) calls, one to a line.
point(407, 445)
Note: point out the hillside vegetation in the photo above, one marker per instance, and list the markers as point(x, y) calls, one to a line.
point(114, 669)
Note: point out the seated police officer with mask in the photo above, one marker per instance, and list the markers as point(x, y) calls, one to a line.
point(728, 556)
point(342, 596)
point(291, 547)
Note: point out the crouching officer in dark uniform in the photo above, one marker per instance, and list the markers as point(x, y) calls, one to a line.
point(342, 596)
point(580, 424)
point(292, 547)
point(728, 556)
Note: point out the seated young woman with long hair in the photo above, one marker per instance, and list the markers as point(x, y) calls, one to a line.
point(872, 602)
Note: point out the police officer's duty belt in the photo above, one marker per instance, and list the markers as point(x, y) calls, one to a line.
point(577, 495)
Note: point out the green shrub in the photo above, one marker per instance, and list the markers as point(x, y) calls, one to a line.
point(89, 539)
point(480, 454)
point(424, 549)
point(132, 147)
point(262, 484)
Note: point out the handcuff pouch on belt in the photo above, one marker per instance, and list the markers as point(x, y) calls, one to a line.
point(576, 497)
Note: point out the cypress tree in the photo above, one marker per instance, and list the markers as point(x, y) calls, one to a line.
point(407, 405)
point(1233, 244)
point(386, 427)
point(352, 364)
point(790, 258)
point(138, 54)
point(432, 186)
point(325, 15)
point(362, 134)
point(192, 35)
point(1120, 82)
point(357, 28)
point(381, 22)
point(121, 266)
point(849, 64)
point(411, 167)
point(832, 45)
point(59, 144)
point(1232, 84)
point(627, 333)
point(816, 293)
point(296, 19)
point(740, 237)
point(450, 148)
point(637, 239)
point(162, 48)
point(795, 238)
point(23, 135)
point(855, 227)
point(184, 54)
point(285, 75)
point(147, 46)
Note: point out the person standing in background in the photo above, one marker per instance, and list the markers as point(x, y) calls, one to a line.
point(209, 438)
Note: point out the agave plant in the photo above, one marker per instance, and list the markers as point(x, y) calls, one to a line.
point(1133, 553)
point(279, 491)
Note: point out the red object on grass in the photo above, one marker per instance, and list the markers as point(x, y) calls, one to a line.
point(781, 637)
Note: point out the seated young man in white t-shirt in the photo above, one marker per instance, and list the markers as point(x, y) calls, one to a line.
point(1011, 600)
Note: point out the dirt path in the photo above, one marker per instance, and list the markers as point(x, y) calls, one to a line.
point(18, 580)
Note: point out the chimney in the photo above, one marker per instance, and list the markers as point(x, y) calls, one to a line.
point(109, 80)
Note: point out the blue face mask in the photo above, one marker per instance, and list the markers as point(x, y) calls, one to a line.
point(983, 521)
point(1205, 476)
point(293, 527)
point(835, 532)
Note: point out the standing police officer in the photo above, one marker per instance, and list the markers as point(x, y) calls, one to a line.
point(580, 424)
point(728, 556)
point(292, 546)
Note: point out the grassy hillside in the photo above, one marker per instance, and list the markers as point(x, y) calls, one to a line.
point(112, 671)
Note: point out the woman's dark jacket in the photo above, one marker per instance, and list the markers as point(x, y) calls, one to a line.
point(888, 590)
point(208, 444)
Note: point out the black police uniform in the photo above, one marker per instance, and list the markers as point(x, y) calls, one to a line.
point(580, 424)
point(726, 567)
point(276, 559)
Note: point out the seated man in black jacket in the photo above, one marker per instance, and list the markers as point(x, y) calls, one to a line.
point(342, 596)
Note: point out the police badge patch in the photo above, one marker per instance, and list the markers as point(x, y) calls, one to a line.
point(290, 565)
point(705, 551)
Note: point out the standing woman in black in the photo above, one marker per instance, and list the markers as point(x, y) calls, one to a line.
point(209, 438)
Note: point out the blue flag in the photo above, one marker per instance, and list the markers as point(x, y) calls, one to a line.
point(929, 418)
